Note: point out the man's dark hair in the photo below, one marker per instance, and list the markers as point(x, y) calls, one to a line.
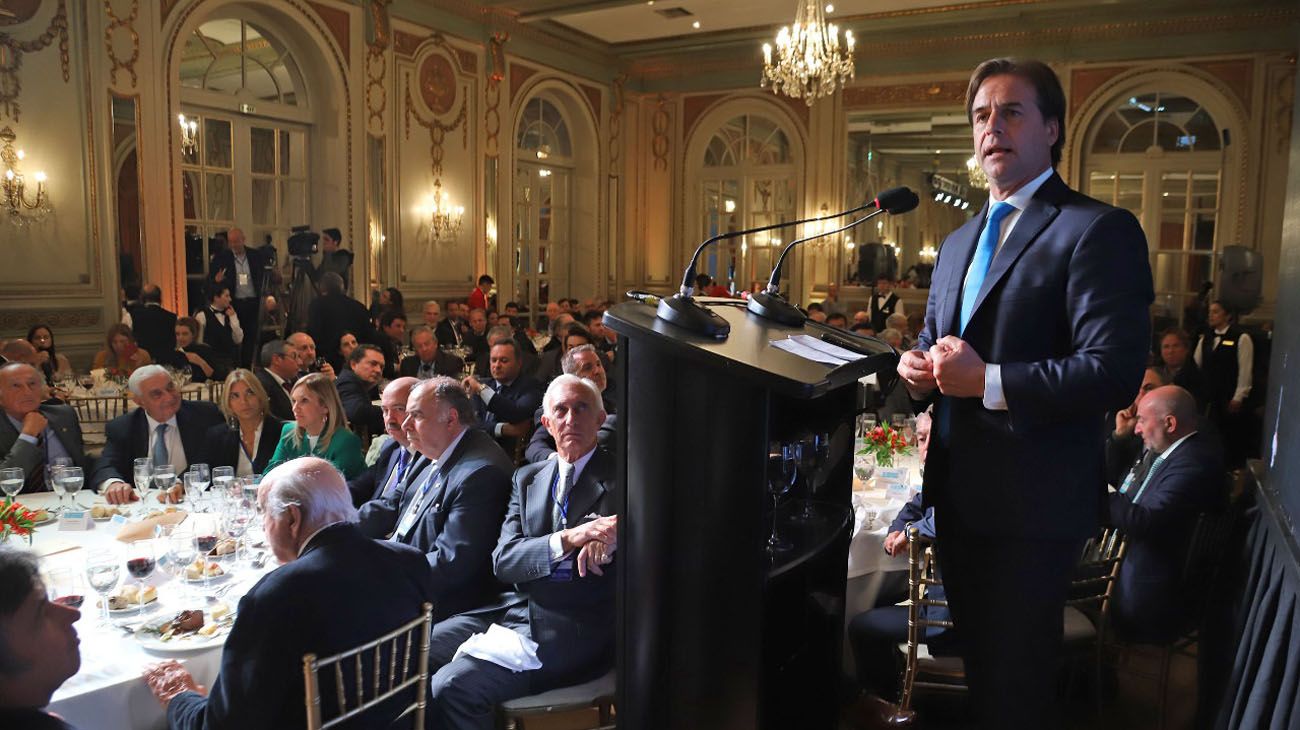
point(132, 292)
point(152, 293)
point(579, 330)
point(702, 280)
point(389, 316)
point(190, 324)
point(863, 328)
point(331, 283)
point(273, 348)
point(215, 290)
point(837, 315)
point(1180, 333)
point(333, 233)
point(19, 575)
point(477, 309)
point(359, 354)
point(1051, 98)
point(816, 307)
point(591, 316)
point(485, 279)
point(512, 304)
point(509, 342)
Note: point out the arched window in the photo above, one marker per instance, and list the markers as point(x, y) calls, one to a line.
point(1157, 154)
point(248, 167)
point(747, 180)
point(543, 261)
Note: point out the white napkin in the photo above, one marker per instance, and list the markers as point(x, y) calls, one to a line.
point(502, 647)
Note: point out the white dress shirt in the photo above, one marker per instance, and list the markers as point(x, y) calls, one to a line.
point(175, 448)
point(557, 545)
point(1245, 361)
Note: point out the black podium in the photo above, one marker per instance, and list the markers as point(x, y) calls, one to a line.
point(714, 631)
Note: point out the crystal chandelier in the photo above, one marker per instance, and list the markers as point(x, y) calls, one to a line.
point(811, 62)
point(189, 135)
point(977, 176)
point(444, 219)
point(18, 208)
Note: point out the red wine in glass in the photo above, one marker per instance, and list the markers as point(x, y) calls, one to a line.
point(72, 601)
point(206, 543)
point(140, 568)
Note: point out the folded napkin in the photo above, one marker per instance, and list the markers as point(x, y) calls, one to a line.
point(502, 647)
point(144, 529)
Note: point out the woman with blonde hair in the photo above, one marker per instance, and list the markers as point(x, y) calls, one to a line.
point(250, 435)
point(319, 428)
point(122, 356)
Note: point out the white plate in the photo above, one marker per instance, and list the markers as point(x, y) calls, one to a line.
point(211, 579)
point(181, 644)
point(133, 610)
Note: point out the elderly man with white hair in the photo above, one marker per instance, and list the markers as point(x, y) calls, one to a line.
point(336, 590)
point(165, 428)
point(557, 548)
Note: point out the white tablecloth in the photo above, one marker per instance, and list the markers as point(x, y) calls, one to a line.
point(108, 692)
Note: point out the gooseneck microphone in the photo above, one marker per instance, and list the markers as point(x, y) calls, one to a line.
point(770, 305)
point(682, 310)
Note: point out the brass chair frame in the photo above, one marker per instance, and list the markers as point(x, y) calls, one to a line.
point(920, 576)
point(99, 408)
point(1092, 588)
point(311, 666)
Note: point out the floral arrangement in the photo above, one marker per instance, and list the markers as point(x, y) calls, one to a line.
point(15, 519)
point(884, 443)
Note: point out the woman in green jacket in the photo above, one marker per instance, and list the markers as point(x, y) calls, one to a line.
point(319, 428)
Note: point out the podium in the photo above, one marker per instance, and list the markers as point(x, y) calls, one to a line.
point(715, 632)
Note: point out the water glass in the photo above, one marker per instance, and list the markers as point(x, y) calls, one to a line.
point(866, 424)
point(896, 421)
point(103, 571)
point(193, 490)
point(223, 477)
point(72, 479)
point(182, 550)
point(235, 522)
point(164, 477)
point(143, 476)
point(52, 469)
point(204, 475)
point(11, 481)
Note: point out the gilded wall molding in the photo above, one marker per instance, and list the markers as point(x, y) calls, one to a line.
point(376, 90)
point(18, 320)
point(945, 93)
point(616, 123)
point(115, 25)
point(379, 30)
point(439, 92)
point(492, 105)
point(1283, 95)
point(660, 123)
point(11, 59)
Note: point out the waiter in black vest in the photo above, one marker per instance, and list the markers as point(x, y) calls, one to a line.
point(1226, 356)
point(884, 302)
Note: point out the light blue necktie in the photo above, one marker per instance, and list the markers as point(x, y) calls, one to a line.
point(160, 445)
point(979, 266)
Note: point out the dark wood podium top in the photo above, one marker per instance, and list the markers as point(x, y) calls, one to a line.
point(747, 352)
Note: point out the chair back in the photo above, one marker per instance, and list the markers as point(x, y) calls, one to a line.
point(381, 688)
point(216, 391)
point(98, 409)
point(921, 575)
point(1206, 553)
point(1095, 574)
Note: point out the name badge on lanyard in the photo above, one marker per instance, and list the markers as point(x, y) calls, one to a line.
point(413, 510)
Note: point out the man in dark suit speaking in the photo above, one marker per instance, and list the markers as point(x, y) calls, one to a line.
point(1036, 325)
point(557, 547)
point(452, 512)
point(164, 428)
point(337, 589)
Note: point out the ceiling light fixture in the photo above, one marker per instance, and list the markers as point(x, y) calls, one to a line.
point(811, 62)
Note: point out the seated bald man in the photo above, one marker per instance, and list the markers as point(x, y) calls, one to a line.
point(336, 590)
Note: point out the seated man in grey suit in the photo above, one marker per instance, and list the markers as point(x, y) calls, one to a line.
point(164, 428)
point(31, 433)
point(1157, 510)
point(335, 590)
point(453, 512)
point(556, 546)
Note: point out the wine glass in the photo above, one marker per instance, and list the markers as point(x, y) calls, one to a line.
point(235, 522)
point(164, 477)
point(781, 474)
point(87, 382)
point(896, 421)
point(141, 559)
point(193, 490)
point(11, 482)
point(143, 474)
point(812, 452)
point(182, 551)
point(72, 480)
point(223, 477)
point(66, 588)
point(103, 570)
point(866, 424)
point(52, 469)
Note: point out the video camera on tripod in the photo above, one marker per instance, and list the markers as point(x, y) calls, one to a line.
point(303, 242)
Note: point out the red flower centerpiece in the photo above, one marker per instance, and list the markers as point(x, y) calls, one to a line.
point(16, 519)
point(884, 443)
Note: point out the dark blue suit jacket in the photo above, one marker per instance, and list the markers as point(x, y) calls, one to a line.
point(345, 589)
point(370, 484)
point(458, 523)
point(1064, 311)
point(127, 439)
point(1149, 595)
point(358, 398)
point(572, 621)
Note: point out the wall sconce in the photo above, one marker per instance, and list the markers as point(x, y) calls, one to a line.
point(13, 186)
point(445, 220)
point(928, 253)
point(189, 135)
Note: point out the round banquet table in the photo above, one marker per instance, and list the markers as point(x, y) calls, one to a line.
point(108, 693)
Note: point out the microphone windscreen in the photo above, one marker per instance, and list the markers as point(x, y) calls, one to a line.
point(897, 200)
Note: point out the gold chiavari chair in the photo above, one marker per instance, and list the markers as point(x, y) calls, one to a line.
point(216, 391)
point(1087, 607)
point(401, 678)
point(923, 670)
